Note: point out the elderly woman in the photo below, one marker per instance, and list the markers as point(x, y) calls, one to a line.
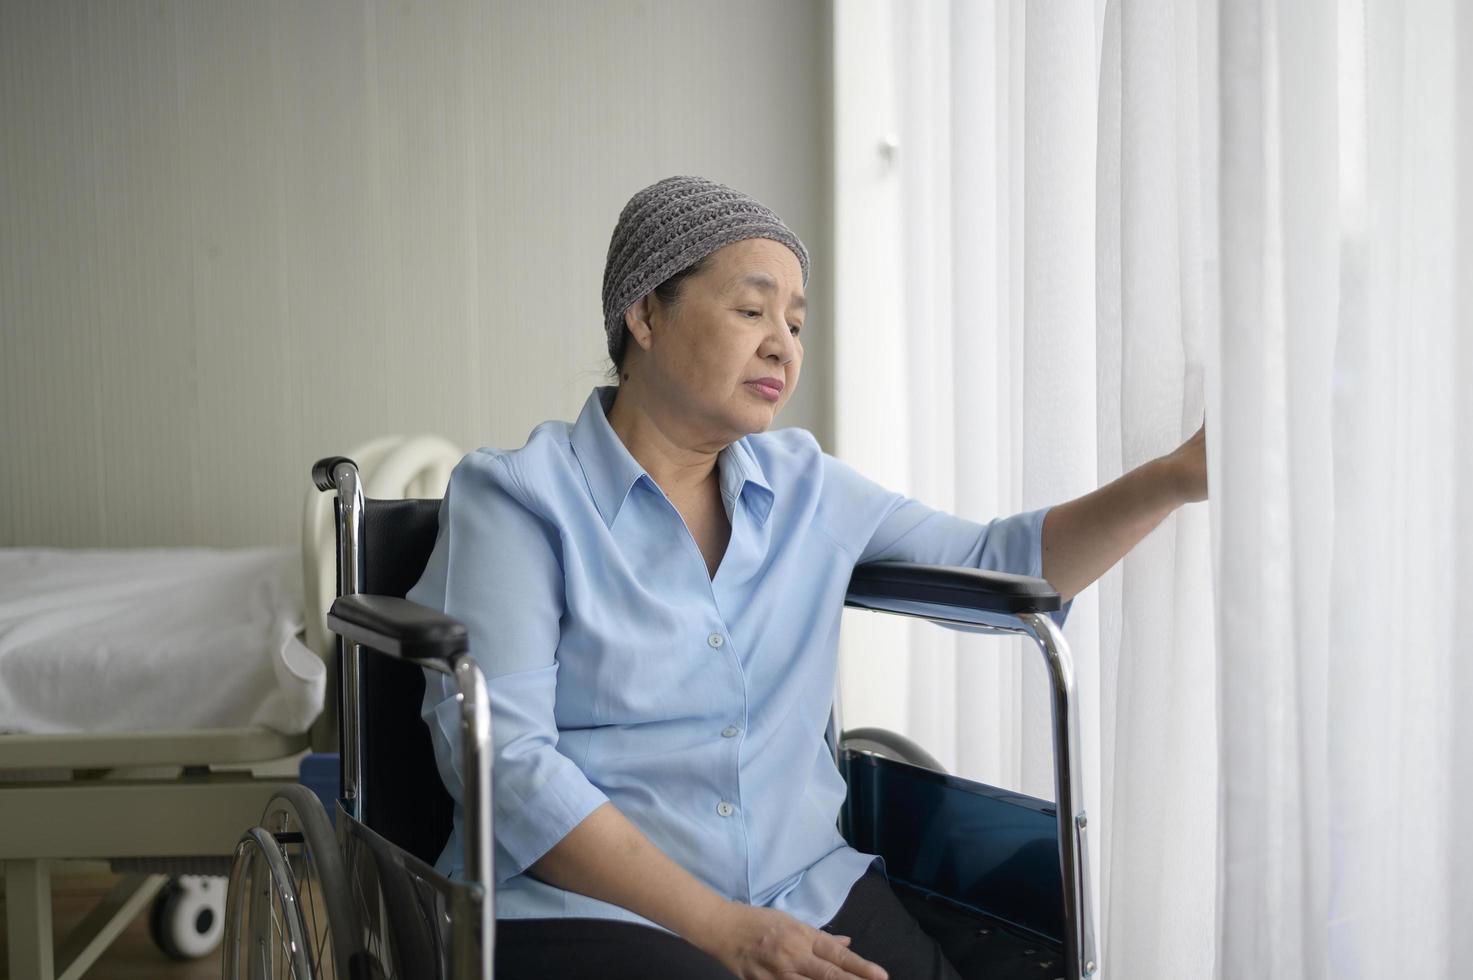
point(654, 593)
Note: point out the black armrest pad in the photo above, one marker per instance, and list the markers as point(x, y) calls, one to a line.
point(942, 585)
point(398, 627)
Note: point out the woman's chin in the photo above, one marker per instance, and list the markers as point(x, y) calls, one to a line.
point(749, 413)
point(757, 420)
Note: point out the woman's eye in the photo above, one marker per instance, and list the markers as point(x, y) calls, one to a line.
point(793, 328)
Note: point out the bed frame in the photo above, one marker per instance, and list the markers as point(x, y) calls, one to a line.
point(150, 805)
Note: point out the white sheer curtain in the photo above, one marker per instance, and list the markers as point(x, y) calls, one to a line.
point(1062, 229)
point(1159, 739)
point(964, 339)
point(1342, 517)
point(935, 356)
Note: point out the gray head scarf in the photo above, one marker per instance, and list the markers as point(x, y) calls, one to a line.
point(670, 226)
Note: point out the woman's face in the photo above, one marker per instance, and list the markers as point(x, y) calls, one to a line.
point(727, 356)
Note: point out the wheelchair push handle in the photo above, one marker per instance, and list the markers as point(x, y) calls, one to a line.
point(322, 471)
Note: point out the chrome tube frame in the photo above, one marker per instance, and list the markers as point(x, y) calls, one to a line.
point(475, 742)
point(1079, 933)
point(1080, 956)
point(350, 561)
point(475, 730)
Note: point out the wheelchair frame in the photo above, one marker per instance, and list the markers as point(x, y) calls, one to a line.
point(461, 916)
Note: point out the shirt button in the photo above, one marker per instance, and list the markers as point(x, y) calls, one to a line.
point(716, 639)
point(729, 731)
point(725, 809)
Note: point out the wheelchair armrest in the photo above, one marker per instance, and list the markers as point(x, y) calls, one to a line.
point(876, 583)
point(398, 627)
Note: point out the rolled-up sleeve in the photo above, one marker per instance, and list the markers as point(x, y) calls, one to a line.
point(878, 524)
point(496, 567)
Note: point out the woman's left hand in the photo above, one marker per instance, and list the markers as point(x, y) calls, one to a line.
point(1189, 464)
point(1085, 536)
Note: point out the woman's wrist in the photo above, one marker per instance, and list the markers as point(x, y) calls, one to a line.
point(703, 925)
point(1186, 469)
point(1168, 474)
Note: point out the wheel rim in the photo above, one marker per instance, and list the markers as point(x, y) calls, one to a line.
point(265, 935)
point(296, 831)
point(284, 824)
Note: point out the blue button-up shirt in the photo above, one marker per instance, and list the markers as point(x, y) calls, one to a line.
point(620, 671)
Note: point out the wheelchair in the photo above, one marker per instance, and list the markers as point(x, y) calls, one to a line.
point(997, 878)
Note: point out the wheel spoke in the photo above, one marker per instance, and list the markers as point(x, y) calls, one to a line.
point(291, 865)
point(276, 931)
point(318, 932)
point(374, 947)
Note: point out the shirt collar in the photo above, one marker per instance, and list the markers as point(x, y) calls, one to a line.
point(740, 473)
point(611, 471)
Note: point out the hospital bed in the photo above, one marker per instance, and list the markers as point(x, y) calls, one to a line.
point(140, 687)
point(999, 879)
point(164, 806)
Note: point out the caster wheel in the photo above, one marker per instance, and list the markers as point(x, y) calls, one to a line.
point(188, 917)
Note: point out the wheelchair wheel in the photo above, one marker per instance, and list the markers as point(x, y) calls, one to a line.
point(288, 913)
point(890, 745)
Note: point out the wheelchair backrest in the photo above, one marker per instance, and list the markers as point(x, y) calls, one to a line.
point(403, 797)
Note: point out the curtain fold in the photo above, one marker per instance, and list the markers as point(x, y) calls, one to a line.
point(1156, 640)
point(984, 312)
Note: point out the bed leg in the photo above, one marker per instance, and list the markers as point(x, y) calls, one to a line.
point(28, 918)
point(117, 910)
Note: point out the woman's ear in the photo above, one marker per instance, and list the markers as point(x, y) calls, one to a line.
point(640, 321)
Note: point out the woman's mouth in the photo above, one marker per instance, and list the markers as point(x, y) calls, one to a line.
point(769, 388)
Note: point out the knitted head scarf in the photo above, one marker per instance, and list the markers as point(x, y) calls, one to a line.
point(670, 226)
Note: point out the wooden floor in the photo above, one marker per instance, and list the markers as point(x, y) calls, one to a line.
point(132, 957)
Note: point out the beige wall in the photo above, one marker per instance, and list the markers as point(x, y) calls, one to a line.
point(237, 236)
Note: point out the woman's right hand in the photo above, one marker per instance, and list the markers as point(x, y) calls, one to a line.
point(765, 944)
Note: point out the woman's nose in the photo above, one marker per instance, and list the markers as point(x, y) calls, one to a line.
point(782, 345)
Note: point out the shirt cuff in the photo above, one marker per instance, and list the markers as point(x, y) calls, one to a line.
point(528, 829)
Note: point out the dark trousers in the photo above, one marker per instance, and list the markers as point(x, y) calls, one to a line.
point(882, 931)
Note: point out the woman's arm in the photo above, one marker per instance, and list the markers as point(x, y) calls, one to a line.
point(606, 857)
point(1083, 538)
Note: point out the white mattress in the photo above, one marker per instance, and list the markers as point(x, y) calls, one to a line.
point(160, 639)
